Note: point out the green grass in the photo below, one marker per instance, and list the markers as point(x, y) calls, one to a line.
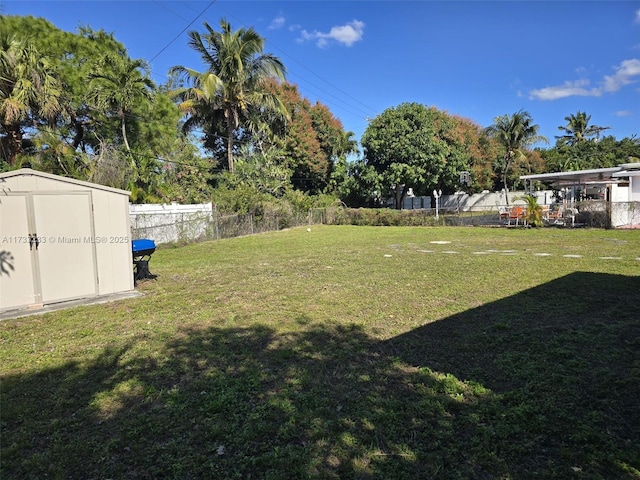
point(344, 352)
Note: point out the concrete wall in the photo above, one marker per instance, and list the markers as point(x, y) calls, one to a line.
point(169, 223)
point(634, 189)
point(476, 201)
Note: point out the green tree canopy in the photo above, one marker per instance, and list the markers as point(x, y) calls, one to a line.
point(312, 139)
point(515, 133)
point(232, 87)
point(119, 85)
point(29, 91)
point(417, 146)
point(578, 129)
point(607, 152)
point(72, 57)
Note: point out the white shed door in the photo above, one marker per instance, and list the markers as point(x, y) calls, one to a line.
point(66, 254)
point(17, 287)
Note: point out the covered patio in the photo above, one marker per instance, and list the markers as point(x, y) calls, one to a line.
point(610, 192)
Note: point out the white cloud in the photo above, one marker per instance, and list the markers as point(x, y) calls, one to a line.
point(623, 113)
point(624, 75)
point(638, 16)
point(568, 89)
point(277, 23)
point(347, 34)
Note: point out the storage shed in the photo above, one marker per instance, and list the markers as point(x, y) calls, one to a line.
point(61, 239)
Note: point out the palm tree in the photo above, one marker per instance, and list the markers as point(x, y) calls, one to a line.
point(28, 90)
point(234, 83)
point(578, 129)
point(348, 145)
point(515, 133)
point(534, 211)
point(121, 84)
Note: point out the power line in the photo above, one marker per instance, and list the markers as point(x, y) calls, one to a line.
point(369, 110)
point(341, 103)
point(183, 30)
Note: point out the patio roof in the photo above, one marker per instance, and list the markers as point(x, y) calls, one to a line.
point(578, 177)
point(628, 170)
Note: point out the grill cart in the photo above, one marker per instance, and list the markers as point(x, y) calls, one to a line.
point(142, 250)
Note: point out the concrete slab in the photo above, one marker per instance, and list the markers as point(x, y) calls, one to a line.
point(39, 310)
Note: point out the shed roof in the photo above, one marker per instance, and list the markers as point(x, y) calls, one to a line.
point(51, 176)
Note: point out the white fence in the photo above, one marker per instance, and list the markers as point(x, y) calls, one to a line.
point(625, 215)
point(175, 223)
point(171, 222)
point(465, 202)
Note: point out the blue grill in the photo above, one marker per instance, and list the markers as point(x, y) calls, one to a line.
point(141, 251)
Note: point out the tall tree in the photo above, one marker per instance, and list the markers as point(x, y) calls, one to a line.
point(578, 129)
point(234, 82)
point(73, 57)
point(120, 84)
point(28, 89)
point(415, 146)
point(300, 142)
point(312, 140)
point(608, 152)
point(515, 133)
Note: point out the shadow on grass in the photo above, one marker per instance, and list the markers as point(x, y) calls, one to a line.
point(542, 384)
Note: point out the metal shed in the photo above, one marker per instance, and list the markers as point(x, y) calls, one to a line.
point(61, 239)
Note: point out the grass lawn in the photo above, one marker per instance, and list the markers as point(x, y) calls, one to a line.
point(344, 352)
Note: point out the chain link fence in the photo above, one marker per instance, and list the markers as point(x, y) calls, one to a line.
point(201, 226)
point(228, 226)
point(591, 214)
point(174, 226)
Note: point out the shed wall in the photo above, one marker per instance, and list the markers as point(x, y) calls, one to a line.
point(113, 242)
point(110, 224)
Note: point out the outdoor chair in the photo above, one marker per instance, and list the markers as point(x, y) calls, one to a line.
point(562, 216)
point(555, 216)
point(546, 211)
point(503, 213)
point(571, 213)
point(516, 213)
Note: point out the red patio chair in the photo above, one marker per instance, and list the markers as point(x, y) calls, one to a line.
point(516, 213)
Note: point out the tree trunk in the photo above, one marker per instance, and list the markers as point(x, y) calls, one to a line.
point(504, 178)
point(400, 192)
point(230, 143)
point(79, 136)
point(124, 137)
point(13, 143)
point(124, 131)
point(126, 142)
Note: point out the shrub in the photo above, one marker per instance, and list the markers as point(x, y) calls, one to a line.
point(382, 217)
point(534, 211)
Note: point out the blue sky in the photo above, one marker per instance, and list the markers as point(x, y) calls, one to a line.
point(475, 59)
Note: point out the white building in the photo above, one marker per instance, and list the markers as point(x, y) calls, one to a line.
point(619, 187)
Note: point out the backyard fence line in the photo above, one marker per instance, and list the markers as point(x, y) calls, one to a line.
point(174, 224)
point(171, 225)
point(590, 213)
